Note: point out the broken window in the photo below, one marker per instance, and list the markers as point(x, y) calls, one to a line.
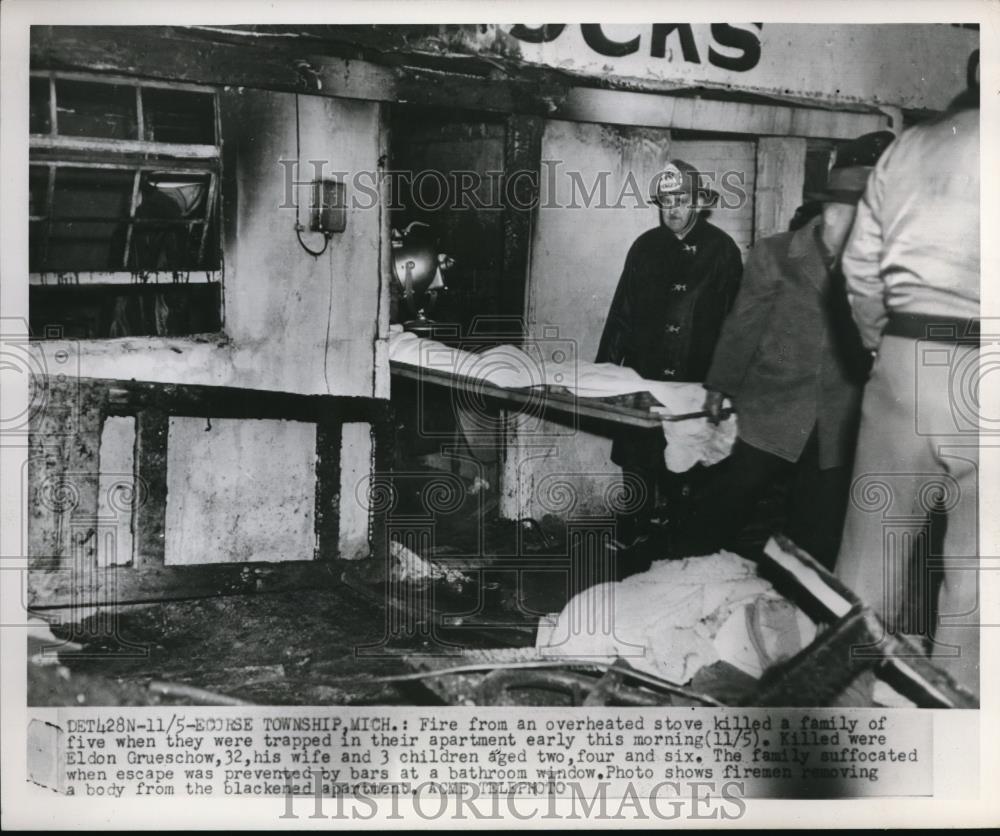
point(124, 208)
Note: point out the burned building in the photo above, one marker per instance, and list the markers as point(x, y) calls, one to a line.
point(241, 465)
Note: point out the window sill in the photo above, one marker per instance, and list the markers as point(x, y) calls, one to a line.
point(109, 345)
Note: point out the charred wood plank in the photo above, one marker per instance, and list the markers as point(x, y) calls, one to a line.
point(151, 428)
point(287, 65)
point(200, 401)
point(818, 674)
point(174, 55)
point(117, 585)
point(522, 156)
point(328, 440)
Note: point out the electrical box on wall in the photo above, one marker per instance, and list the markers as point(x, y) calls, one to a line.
point(329, 207)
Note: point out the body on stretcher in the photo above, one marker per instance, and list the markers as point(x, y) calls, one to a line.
point(515, 376)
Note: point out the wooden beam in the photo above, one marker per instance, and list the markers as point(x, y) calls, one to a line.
point(151, 427)
point(288, 65)
point(381, 386)
point(856, 639)
point(327, 516)
point(170, 55)
point(174, 55)
point(383, 435)
point(781, 170)
point(437, 88)
point(622, 107)
point(198, 401)
point(124, 280)
point(63, 471)
point(117, 585)
point(101, 147)
point(522, 157)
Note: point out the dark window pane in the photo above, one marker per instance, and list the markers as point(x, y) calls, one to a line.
point(98, 312)
point(39, 121)
point(165, 195)
point(99, 110)
point(83, 245)
point(92, 193)
point(38, 189)
point(178, 116)
point(84, 230)
point(170, 220)
point(36, 246)
point(69, 312)
point(166, 247)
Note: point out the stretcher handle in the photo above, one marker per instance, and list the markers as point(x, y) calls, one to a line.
point(702, 413)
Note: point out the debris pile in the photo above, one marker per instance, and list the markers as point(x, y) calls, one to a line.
point(410, 567)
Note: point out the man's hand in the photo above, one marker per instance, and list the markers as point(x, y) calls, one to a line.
point(713, 405)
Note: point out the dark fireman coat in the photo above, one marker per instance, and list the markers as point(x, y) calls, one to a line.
point(666, 316)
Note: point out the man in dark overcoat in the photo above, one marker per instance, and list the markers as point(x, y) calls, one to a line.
point(791, 360)
point(679, 281)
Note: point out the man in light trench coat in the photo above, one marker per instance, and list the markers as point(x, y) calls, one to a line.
point(913, 275)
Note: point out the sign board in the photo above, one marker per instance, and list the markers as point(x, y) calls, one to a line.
point(919, 66)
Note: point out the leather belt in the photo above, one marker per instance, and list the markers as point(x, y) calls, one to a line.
point(933, 327)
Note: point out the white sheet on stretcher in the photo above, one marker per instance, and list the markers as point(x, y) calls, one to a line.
point(689, 442)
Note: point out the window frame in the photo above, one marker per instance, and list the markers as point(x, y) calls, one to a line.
point(52, 151)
